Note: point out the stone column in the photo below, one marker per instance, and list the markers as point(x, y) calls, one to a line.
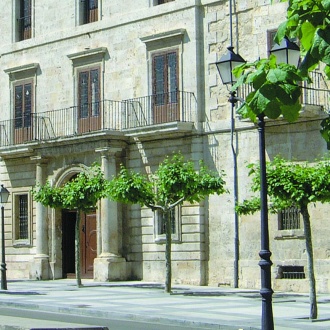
point(109, 265)
point(40, 264)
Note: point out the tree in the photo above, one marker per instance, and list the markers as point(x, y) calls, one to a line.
point(81, 193)
point(275, 85)
point(298, 185)
point(174, 182)
point(308, 21)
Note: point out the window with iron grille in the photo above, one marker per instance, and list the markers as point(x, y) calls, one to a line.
point(291, 272)
point(22, 218)
point(160, 224)
point(24, 19)
point(89, 10)
point(289, 218)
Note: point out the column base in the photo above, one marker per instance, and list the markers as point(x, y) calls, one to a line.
point(39, 268)
point(109, 268)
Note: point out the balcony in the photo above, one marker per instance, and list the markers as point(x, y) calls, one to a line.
point(160, 114)
point(126, 118)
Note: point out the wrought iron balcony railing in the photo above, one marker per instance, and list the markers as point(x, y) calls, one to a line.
point(160, 108)
point(97, 117)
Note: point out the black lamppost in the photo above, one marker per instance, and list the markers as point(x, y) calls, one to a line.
point(228, 62)
point(4, 194)
point(286, 53)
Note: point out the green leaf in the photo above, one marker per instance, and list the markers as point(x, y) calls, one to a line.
point(246, 112)
point(273, 110)
point(289, 94)
point(291, 112)
point(326, 4)
point(321, 45)
point(257, 79)
point(308, 32)
point(281, 32)
point(276, 75)
point(327, 71)
point(308, 63)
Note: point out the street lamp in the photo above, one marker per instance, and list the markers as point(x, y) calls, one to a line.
point(225, 66)
point(4, 194)
point(286, 53)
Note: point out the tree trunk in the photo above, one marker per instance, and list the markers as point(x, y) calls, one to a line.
point(309, 250)
point(168, 279)
point(77, 250)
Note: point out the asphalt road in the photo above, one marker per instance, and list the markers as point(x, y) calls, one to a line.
point(27, 318)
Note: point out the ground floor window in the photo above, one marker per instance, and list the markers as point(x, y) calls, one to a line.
point(160, 225)
point(291, 272)
point(22, 218)
point(289, 218)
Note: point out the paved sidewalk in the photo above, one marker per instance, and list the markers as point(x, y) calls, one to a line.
point(206, 307)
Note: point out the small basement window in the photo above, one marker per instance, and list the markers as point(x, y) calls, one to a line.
point(291, 272)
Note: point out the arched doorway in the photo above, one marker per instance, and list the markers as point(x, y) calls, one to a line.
point(88, 243)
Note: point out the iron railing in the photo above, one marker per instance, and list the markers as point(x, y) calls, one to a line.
point(291, 272)
point(289, 218)
point(160, 108)
point(66, 122)
point(315, 93)
point(105, 115)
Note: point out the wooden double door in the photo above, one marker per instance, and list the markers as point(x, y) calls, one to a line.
point(88, 243)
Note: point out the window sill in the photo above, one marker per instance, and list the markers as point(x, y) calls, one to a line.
point(162, 240)
point(21, 243)
point(290, 234)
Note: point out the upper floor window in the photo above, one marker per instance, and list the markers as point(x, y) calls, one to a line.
point(23, 111)
point(89, 118)
point(165, 76)
point(159, 2)
point(24, 19)
point(270, 40)
point(89, 11)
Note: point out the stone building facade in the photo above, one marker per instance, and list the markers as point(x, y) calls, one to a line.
point(99, 81)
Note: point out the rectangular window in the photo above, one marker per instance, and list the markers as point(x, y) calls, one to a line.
point(159, 2)
point(270, 40)
point(291, 272)
point(289, 218)
point(165, 85)
point(160, 225)
point(89, 11)
point(23, 112)
point(89, 100)
point(24, 20)
point(22, 218)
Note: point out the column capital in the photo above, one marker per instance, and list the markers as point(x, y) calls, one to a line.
point(108, 151)
point(39, 159)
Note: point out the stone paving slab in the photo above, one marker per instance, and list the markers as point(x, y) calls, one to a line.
point(220, 308)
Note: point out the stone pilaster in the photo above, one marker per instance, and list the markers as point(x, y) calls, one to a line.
point(40, 264)
point(109, 265)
